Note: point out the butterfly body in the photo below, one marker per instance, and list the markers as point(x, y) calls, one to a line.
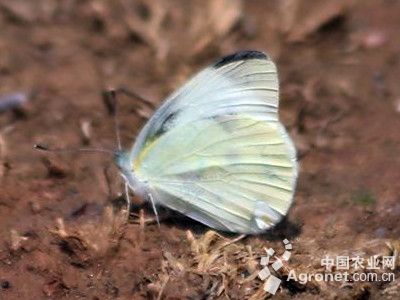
point(216, 151)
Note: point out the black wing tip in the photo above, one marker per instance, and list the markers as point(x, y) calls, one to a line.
point(242, 55)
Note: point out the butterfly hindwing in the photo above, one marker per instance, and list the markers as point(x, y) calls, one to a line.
point(221, 170)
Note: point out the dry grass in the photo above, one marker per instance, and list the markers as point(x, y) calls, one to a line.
point(226, 267)
point(91, 240)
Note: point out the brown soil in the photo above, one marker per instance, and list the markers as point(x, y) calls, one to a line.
point(63, 234)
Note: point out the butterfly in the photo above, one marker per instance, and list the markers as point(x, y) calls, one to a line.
point(216, 151)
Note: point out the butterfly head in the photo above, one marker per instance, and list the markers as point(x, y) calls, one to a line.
point(123, 162)
point(121, 159)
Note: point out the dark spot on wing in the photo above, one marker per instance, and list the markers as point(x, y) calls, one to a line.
point(242, 55)
point(169, 120)
point(226, 126)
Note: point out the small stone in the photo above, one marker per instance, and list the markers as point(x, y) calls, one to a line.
point(34, 206)
point(5, 284)
point(397, 105)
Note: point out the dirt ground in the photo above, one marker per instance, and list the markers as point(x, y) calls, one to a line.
point(62, 228)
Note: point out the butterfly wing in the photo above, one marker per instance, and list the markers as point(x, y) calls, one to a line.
point(216, 151)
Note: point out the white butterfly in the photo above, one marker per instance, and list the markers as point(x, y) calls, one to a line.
point(216, 151)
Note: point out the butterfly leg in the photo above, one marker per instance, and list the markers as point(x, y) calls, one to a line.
point(128, 200)
point(154, 208)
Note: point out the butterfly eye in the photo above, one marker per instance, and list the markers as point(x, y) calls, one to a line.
point(121, 159)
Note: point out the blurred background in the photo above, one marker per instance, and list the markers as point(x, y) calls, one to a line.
point(61, 233)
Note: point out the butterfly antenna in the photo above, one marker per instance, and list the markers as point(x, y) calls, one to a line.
point(44, 148)
point(110, 99)
point(133, 95)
